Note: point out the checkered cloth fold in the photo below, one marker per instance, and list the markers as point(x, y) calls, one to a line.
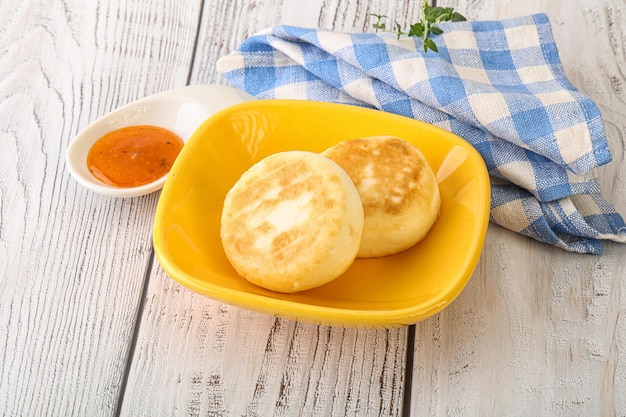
point(497, 84)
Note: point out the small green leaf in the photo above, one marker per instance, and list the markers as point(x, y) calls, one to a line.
point(444, 15)
point(433, 14)
point(435, 30)
point(458, 17)
point(417, 29)
point(429, 44)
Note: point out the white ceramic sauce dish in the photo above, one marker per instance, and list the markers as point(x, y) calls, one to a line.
point(180, 110)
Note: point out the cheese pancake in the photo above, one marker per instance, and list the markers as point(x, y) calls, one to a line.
point(398, 190)
point(292, 222)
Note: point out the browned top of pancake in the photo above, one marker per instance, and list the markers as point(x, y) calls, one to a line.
point(387, 171)
point(276, 211)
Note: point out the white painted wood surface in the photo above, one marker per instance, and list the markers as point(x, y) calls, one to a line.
point(91, 325)
point(538, 331)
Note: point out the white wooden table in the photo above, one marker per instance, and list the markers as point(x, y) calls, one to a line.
point(90, 325)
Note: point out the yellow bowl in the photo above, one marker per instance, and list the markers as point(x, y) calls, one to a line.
point(395, 290)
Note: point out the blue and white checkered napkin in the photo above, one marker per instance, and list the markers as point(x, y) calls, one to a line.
point(498, 84)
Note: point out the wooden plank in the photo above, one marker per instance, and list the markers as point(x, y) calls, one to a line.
point(538, 327)
point(538, 330)
point(73, 264)
point(199, 357)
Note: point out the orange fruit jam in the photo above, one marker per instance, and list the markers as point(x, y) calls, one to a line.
point(134, 155)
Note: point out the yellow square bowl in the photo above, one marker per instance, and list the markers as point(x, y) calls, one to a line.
point(389, 291)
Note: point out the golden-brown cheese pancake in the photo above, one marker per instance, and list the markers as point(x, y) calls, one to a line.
point(292, 222)
point(398, 189)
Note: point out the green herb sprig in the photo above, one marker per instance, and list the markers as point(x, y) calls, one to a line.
point(429, 18)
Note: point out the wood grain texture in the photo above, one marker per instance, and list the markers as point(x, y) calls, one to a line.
point(223, 26)
point(212, 359)
point(91, 325)
point(72, 264)
point(538, 331)
point(208, 358)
